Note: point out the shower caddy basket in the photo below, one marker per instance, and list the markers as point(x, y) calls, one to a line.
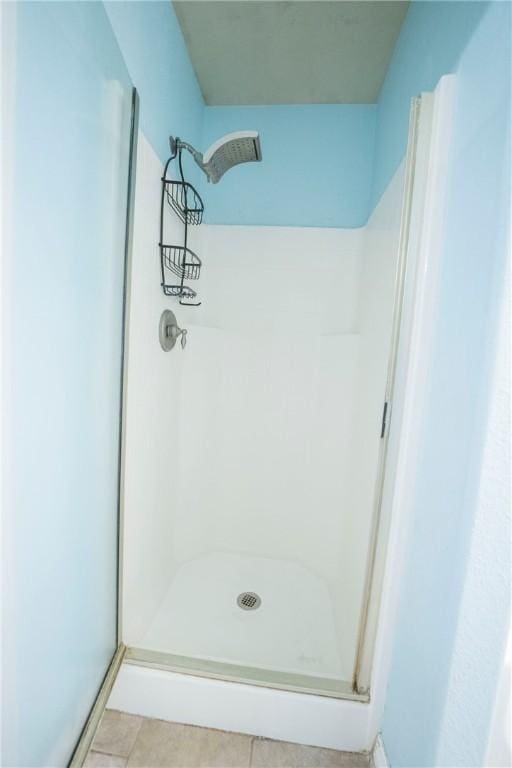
point(179, 261)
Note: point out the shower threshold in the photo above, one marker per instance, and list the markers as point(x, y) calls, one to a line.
point(267, 678)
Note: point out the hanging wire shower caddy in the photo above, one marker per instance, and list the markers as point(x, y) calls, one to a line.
point(179, 260)
point(185, 201)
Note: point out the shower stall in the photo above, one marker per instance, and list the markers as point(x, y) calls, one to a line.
point(215, 401)
point(253, 453)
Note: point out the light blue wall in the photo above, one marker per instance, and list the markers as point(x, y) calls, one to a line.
point(63, 324)
point(427, 722)
point(157, 59)
point(318, 160)
point(316, 169)
point(430, 43)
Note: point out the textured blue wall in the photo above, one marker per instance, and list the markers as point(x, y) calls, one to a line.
point(157, 59)
point(427, 722)
point(316, 169)
point(430, 43)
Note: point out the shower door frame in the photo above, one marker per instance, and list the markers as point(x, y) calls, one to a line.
point(417, 110)
point(88, 732)
point(369, 652)
point(130, 213)
point(420, 248)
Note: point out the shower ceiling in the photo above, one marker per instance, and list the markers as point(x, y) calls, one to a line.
point(276, 52)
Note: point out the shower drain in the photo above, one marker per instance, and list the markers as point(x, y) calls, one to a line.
point(248, 601)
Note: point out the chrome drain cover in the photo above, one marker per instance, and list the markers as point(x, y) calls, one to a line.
point(248, 601)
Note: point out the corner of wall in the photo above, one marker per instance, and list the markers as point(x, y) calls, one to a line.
point(154, 50)
point(378, 756)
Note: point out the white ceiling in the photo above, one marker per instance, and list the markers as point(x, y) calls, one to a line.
point(280, 52)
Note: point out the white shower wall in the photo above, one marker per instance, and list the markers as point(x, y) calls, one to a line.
point(254, 451)
point(151, 418)
point(267, 405)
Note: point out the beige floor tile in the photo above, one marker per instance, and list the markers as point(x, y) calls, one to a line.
point(171, 745)
point(100, 760)
point(280, 754)
point(117, 733)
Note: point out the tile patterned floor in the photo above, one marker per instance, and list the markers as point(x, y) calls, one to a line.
point(128, 741)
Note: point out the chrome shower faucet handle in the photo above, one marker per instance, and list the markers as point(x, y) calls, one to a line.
point(169, 331)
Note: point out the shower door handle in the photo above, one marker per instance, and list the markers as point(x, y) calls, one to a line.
point(384, 422)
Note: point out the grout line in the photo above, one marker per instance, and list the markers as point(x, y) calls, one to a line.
point(142, 719)
point(251, 751)
point(116, 754)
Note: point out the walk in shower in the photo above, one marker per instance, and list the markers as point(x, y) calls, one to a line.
point(252, 453)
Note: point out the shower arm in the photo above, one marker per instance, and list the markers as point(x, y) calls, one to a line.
point(175, 144)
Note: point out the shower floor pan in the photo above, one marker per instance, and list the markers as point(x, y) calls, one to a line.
point(286, 639)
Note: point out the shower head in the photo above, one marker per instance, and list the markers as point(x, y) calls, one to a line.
point(229, 150)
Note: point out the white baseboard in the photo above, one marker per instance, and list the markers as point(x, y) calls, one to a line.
point(318, 721)
point(379, 758)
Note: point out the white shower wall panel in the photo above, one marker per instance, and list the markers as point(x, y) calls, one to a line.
point(153, 401)
point(287, 279)
point(269, 394)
